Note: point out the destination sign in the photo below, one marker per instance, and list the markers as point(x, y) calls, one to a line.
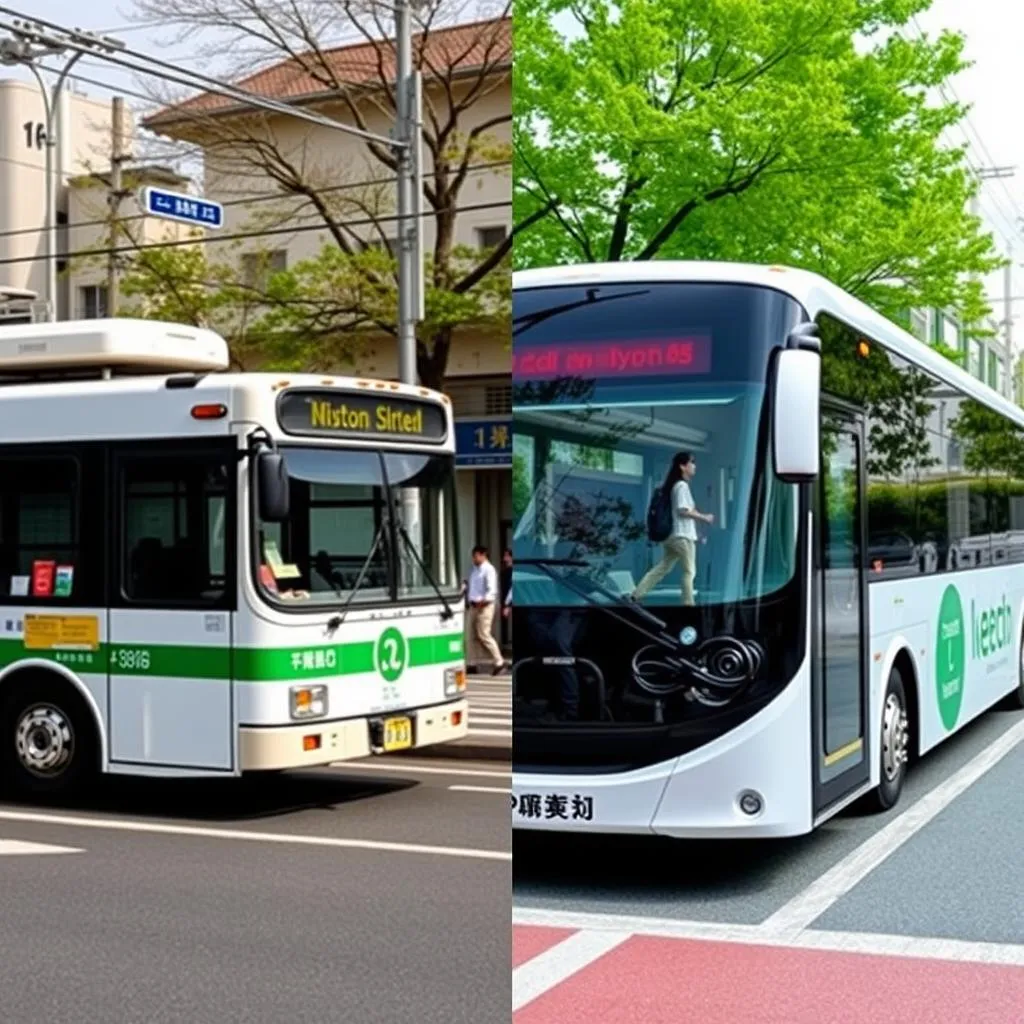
point(361, 415)
point(641, 357)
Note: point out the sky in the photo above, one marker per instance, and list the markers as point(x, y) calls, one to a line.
point(993, 30)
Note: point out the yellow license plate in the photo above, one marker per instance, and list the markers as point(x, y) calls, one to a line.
point(397, 733)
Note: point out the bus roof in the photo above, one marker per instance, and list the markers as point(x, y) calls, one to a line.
point(140, 346)
point(153, 406)
point(815, 293)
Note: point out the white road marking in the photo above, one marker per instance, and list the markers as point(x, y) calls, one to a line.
point(573, 954)
point(200, 832)
point(789, 926)
point(554, 965)
point(478, 789)
point(418, 768)
point(825, 891)
point(504, 733)
point(18, 847)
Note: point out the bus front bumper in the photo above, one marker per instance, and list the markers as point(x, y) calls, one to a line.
point(699, 795)
point(311, 744)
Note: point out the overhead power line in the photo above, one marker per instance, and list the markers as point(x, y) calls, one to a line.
point(262, 197)
point(237, 236)
point(48, 32)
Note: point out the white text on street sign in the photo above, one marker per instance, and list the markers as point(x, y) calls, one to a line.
point(187, 209)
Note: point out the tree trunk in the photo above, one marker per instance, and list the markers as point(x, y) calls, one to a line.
point(432, 358)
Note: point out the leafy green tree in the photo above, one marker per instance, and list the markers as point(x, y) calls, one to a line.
point(770, 131)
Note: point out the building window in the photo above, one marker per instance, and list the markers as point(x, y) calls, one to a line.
point(92, 302)
point(919, 324)
point(976, 360)
point(950, 333)
point(490, 238)
point(257, 267)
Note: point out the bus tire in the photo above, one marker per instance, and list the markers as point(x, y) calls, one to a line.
point(48, 745)
point(894, 744)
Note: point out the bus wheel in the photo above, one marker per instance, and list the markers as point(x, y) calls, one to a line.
point(894, 740)
point(48, 744)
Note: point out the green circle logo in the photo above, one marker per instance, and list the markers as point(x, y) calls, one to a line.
point(949, 657)
point(392, 654)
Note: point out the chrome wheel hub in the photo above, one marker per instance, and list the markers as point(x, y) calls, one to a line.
point(895, 737)
point(44, 740)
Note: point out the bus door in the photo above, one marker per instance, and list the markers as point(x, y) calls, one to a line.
point(843, 745)
point(171, 701)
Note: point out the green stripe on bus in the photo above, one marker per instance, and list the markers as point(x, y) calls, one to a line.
point(434, 650)
point(245, 664)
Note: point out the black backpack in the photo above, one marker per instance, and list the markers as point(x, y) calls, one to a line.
point(659, 515)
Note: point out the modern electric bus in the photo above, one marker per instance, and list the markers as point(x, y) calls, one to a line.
point(206, 573)
point(857, 571)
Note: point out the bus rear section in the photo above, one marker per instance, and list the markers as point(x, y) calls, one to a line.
point(660, 682)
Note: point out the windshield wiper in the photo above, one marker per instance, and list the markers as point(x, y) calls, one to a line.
point(404, 534)
point(338, 619)
point(663, 638)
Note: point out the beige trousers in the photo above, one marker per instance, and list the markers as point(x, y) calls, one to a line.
point(676, 549)
point(481, 638)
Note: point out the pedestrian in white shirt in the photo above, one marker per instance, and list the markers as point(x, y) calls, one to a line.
point(482, 596)
point(681, 545)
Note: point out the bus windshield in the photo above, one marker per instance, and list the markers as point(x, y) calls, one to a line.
point(615, 387)
point(365, 527)
point(610, 384)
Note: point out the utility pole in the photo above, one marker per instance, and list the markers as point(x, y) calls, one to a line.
point(119, 153)
point(408, 131)
point(1008, 322)
point(409, 185)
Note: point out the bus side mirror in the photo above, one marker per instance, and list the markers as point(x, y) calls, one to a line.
point(796, 416)
point(272, 486)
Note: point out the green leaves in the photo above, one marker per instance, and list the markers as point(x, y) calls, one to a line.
point(790, 131)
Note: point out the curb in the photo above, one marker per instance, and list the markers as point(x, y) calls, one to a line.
point(463, 750)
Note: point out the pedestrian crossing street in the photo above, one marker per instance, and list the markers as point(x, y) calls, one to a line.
point(490, 708)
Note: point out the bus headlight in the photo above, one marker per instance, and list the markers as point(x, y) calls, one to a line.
point(454, 681)
point(308, 701)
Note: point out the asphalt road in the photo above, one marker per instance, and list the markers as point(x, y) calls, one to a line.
point(377, 892)
point(913, 916)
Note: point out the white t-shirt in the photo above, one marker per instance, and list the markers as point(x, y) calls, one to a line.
point(682, 526)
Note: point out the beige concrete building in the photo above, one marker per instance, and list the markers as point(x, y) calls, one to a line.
point(81, 158)
point(467, 68)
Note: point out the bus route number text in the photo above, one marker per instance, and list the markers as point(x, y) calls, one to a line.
point(131, 659)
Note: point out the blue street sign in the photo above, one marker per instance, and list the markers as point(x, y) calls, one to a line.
point(187, 209)
point(483, 442)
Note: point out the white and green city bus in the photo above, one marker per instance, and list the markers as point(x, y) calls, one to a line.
point(207, 573)
point(857, 598)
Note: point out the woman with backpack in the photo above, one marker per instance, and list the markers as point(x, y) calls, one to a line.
point(672, 520)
